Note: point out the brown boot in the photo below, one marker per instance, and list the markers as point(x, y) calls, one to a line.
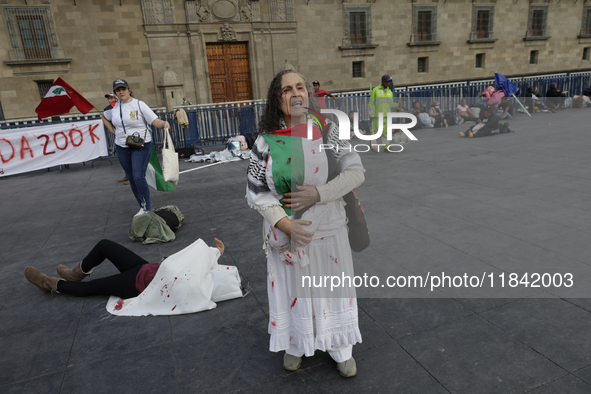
point(43, 282)
point(71, 275)
point(124, 179)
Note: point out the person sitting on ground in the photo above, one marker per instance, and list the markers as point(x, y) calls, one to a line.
point(505, 110)
point(423, 118)
point(487, 124)
point(135, 273)
point(464, 114)
point(532, 100)
point(554, 97)
point(417, 109)
point(437, 114)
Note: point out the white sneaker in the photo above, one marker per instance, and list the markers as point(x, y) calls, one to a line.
point(140, 212)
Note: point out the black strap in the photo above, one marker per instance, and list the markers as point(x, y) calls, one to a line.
point(140, 110)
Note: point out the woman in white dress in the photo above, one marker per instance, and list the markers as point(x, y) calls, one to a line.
point(290, 177)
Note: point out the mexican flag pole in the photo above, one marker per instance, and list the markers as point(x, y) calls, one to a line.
point(154, 175)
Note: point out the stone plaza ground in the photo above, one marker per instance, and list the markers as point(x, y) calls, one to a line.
point(508, 203)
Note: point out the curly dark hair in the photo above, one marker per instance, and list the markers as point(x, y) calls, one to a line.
point(272, 115)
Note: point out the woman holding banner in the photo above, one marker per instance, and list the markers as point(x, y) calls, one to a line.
point(131, 117)
point(283, 158)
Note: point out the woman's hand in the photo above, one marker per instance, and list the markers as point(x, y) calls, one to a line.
point(220, 245)
point(161, 124)
point(307, 195)
point(293, 229)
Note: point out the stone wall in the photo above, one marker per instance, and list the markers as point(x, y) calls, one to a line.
point(102, 40)
point(321, 25)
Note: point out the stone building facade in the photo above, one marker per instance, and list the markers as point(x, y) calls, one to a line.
point(228, 50)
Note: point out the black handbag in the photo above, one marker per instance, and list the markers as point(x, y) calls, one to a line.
point(356, 222)
point(133, 141)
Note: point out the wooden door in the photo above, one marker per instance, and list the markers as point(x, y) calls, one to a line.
point(229, 71)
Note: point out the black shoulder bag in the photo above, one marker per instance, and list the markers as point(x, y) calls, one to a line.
point(133, 141)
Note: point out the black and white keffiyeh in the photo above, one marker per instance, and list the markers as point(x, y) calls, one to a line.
point(258, 194)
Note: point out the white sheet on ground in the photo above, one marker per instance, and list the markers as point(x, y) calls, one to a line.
point(224, 155)
point(188, 281)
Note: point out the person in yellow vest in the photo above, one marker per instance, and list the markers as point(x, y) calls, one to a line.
point(381, 101)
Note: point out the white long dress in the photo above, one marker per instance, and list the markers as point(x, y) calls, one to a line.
point(309, 318)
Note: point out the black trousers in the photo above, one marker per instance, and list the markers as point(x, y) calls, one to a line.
point(486, 131)
point(120, 285)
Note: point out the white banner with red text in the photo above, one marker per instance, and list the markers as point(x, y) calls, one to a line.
point(35, 148)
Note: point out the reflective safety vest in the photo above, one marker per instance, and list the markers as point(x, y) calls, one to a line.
point(381, 100)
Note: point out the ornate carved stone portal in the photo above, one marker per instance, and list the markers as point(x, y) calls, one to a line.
point(227, 33)
point(210, 11)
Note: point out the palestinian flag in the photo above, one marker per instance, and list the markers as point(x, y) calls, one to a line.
point(154, 175)
point(296, 160)
point(60, 98)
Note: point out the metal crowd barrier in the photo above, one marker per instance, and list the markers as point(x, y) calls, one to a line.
point(213, 124)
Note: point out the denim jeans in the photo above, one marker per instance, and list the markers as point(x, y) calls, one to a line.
point(134, 163)
point(507, 115)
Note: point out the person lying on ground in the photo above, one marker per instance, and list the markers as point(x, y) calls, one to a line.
point(487, 124)
point(135, 273)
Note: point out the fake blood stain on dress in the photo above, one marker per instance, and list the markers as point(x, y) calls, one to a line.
point(119, 305)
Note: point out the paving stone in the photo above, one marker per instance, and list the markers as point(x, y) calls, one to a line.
point(151, 369)
point(41, 350)
point(290, 384)
point(584, 374)
point(226, 359)
point(403, 317)
point(568, 384)
point(554, 328)
point(46, 383)
point(101, 335)
point(471, 355)
point(386, 368)
point(504, 203)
